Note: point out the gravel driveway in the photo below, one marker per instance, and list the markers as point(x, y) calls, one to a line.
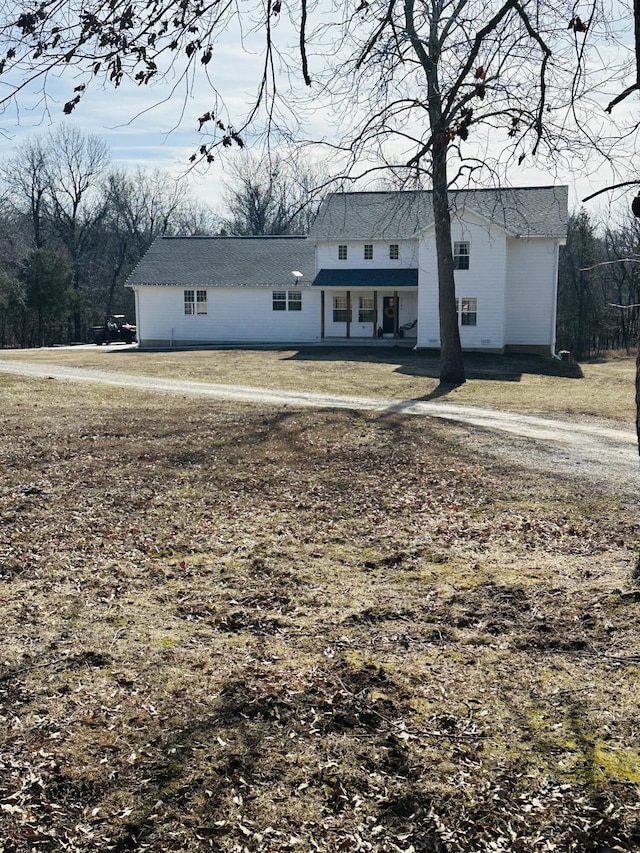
point(599, 455)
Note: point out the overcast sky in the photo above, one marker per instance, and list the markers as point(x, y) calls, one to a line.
point(156, 126)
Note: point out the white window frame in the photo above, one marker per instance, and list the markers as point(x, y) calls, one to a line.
point(195, 302)
point(366, 309)
point(461, 254)
point(368, 251)
point(342, 308)
point(343, 252)
point(467, 310)
point(201, 302)
point(279, 300)
point(294, 300)
point(394, 251)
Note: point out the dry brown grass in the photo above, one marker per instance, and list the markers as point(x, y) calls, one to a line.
point(236, 628)
point(512, 383)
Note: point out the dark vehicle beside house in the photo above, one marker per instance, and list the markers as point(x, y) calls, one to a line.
point(114, 328)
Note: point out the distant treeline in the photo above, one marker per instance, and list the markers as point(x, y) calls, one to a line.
point(599, 286)
point(71, 229)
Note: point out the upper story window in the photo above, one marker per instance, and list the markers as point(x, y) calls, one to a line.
point(279, 300)
point(342, 253)
point(195, 302)
point(368, 252)
point(394, 252)
point(461, 253)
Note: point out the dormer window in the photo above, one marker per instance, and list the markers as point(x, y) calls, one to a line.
point(342, 253)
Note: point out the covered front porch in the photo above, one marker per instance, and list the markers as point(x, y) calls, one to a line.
point(368, 304)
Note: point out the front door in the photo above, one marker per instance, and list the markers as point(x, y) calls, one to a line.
point(388, 314)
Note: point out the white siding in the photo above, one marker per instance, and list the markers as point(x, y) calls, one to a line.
point(531, 292)
point(408, 313)
point(484, 280)
point(327, 255)
point(339, 330)
point(234, 315)
point(513, 280)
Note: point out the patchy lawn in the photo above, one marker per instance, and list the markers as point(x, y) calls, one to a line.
point(236, 628)
point(514, 383)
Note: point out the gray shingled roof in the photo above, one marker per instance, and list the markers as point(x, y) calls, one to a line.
point(530, 211)
point(226, 261)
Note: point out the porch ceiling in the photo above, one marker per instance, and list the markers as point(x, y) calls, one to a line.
point(373, 279)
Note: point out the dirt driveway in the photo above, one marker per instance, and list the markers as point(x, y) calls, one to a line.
point(597, 454)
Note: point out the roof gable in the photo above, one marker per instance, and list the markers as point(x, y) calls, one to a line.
point(525, 212)
point(467, 216)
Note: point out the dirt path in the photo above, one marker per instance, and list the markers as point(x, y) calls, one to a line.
point(598, 454)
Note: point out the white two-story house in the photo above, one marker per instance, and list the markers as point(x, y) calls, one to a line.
point(367, 270)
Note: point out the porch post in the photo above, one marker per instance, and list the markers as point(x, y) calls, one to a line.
point(348, 313)
point(396, 314)
point(322, 313)
point(375, 313)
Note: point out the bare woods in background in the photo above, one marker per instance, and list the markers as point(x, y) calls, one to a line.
point(72, 227)
point(599, 286)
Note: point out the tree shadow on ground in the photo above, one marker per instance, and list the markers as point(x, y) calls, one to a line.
point(423, 363)
point(426, 363)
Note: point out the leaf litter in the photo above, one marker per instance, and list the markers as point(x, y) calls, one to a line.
point(234, 628)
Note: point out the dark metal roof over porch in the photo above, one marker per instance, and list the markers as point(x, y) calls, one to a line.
point(345, 279)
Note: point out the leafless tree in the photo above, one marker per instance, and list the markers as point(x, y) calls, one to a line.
point(140, 206)
point(447, 91)
point(76, 163)
point(271, 194)
point(632, 80)
point(58, 195)
point(424, 84)
point(581, 306)
point(26, 179)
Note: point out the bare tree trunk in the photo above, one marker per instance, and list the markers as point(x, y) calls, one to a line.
point(451, 359)
point(428, 53)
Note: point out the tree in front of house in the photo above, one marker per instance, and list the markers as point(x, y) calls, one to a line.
point(448, 93)
point(414, 81)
